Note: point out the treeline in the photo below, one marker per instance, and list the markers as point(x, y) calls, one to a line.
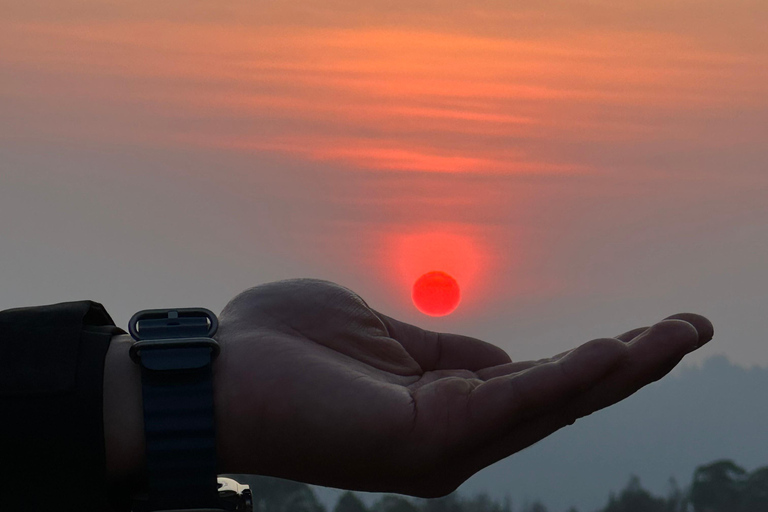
point(721, 486)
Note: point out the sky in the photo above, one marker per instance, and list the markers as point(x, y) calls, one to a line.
point(580, 168)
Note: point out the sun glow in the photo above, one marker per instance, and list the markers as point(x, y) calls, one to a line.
point(429, 265)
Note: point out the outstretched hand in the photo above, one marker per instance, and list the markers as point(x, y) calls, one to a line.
point(313, 385)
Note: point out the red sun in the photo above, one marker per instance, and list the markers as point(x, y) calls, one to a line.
point(436, 293)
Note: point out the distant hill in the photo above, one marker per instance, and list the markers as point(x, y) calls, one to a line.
point(695, 416)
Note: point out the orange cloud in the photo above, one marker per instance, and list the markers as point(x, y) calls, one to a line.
point(381, 97)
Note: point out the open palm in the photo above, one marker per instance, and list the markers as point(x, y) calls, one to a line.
point(318, 387)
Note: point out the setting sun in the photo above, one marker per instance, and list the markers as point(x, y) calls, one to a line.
point(436, 293)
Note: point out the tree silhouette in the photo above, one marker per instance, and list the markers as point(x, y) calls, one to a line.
point(717, 487)
point(721, 486)
point(633, 498)
point(536, 506)
point(755, 490)
point(449, 503)
point(483, 503)
point(677, 499)
point(278, 495)
point(349, 502)
point(392, 503)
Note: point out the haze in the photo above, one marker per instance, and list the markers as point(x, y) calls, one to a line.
point(581, 168)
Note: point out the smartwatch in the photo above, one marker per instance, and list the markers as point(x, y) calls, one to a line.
point(176, 350)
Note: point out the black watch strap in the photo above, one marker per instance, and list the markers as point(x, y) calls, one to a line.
point(175, 351)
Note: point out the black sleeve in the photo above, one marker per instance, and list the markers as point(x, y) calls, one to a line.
point(51, 418)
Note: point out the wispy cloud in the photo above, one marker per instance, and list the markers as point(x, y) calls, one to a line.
point(386, 98)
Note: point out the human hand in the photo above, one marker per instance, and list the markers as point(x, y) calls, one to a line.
point(313, 385)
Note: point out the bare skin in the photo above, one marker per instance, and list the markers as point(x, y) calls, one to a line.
point(313, 385)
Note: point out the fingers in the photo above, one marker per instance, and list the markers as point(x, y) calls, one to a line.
point(630, 335)
point(518, 366)
point(498, 404)
point(703, 326)
point(506, 369)
point(442, 351)
point(651, 355)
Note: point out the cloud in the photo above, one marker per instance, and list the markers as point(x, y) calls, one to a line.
point(415, 97)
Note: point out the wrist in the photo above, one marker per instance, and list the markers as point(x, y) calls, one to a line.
point(123, 415)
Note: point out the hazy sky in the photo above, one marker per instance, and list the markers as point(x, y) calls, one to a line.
point(581, 168)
